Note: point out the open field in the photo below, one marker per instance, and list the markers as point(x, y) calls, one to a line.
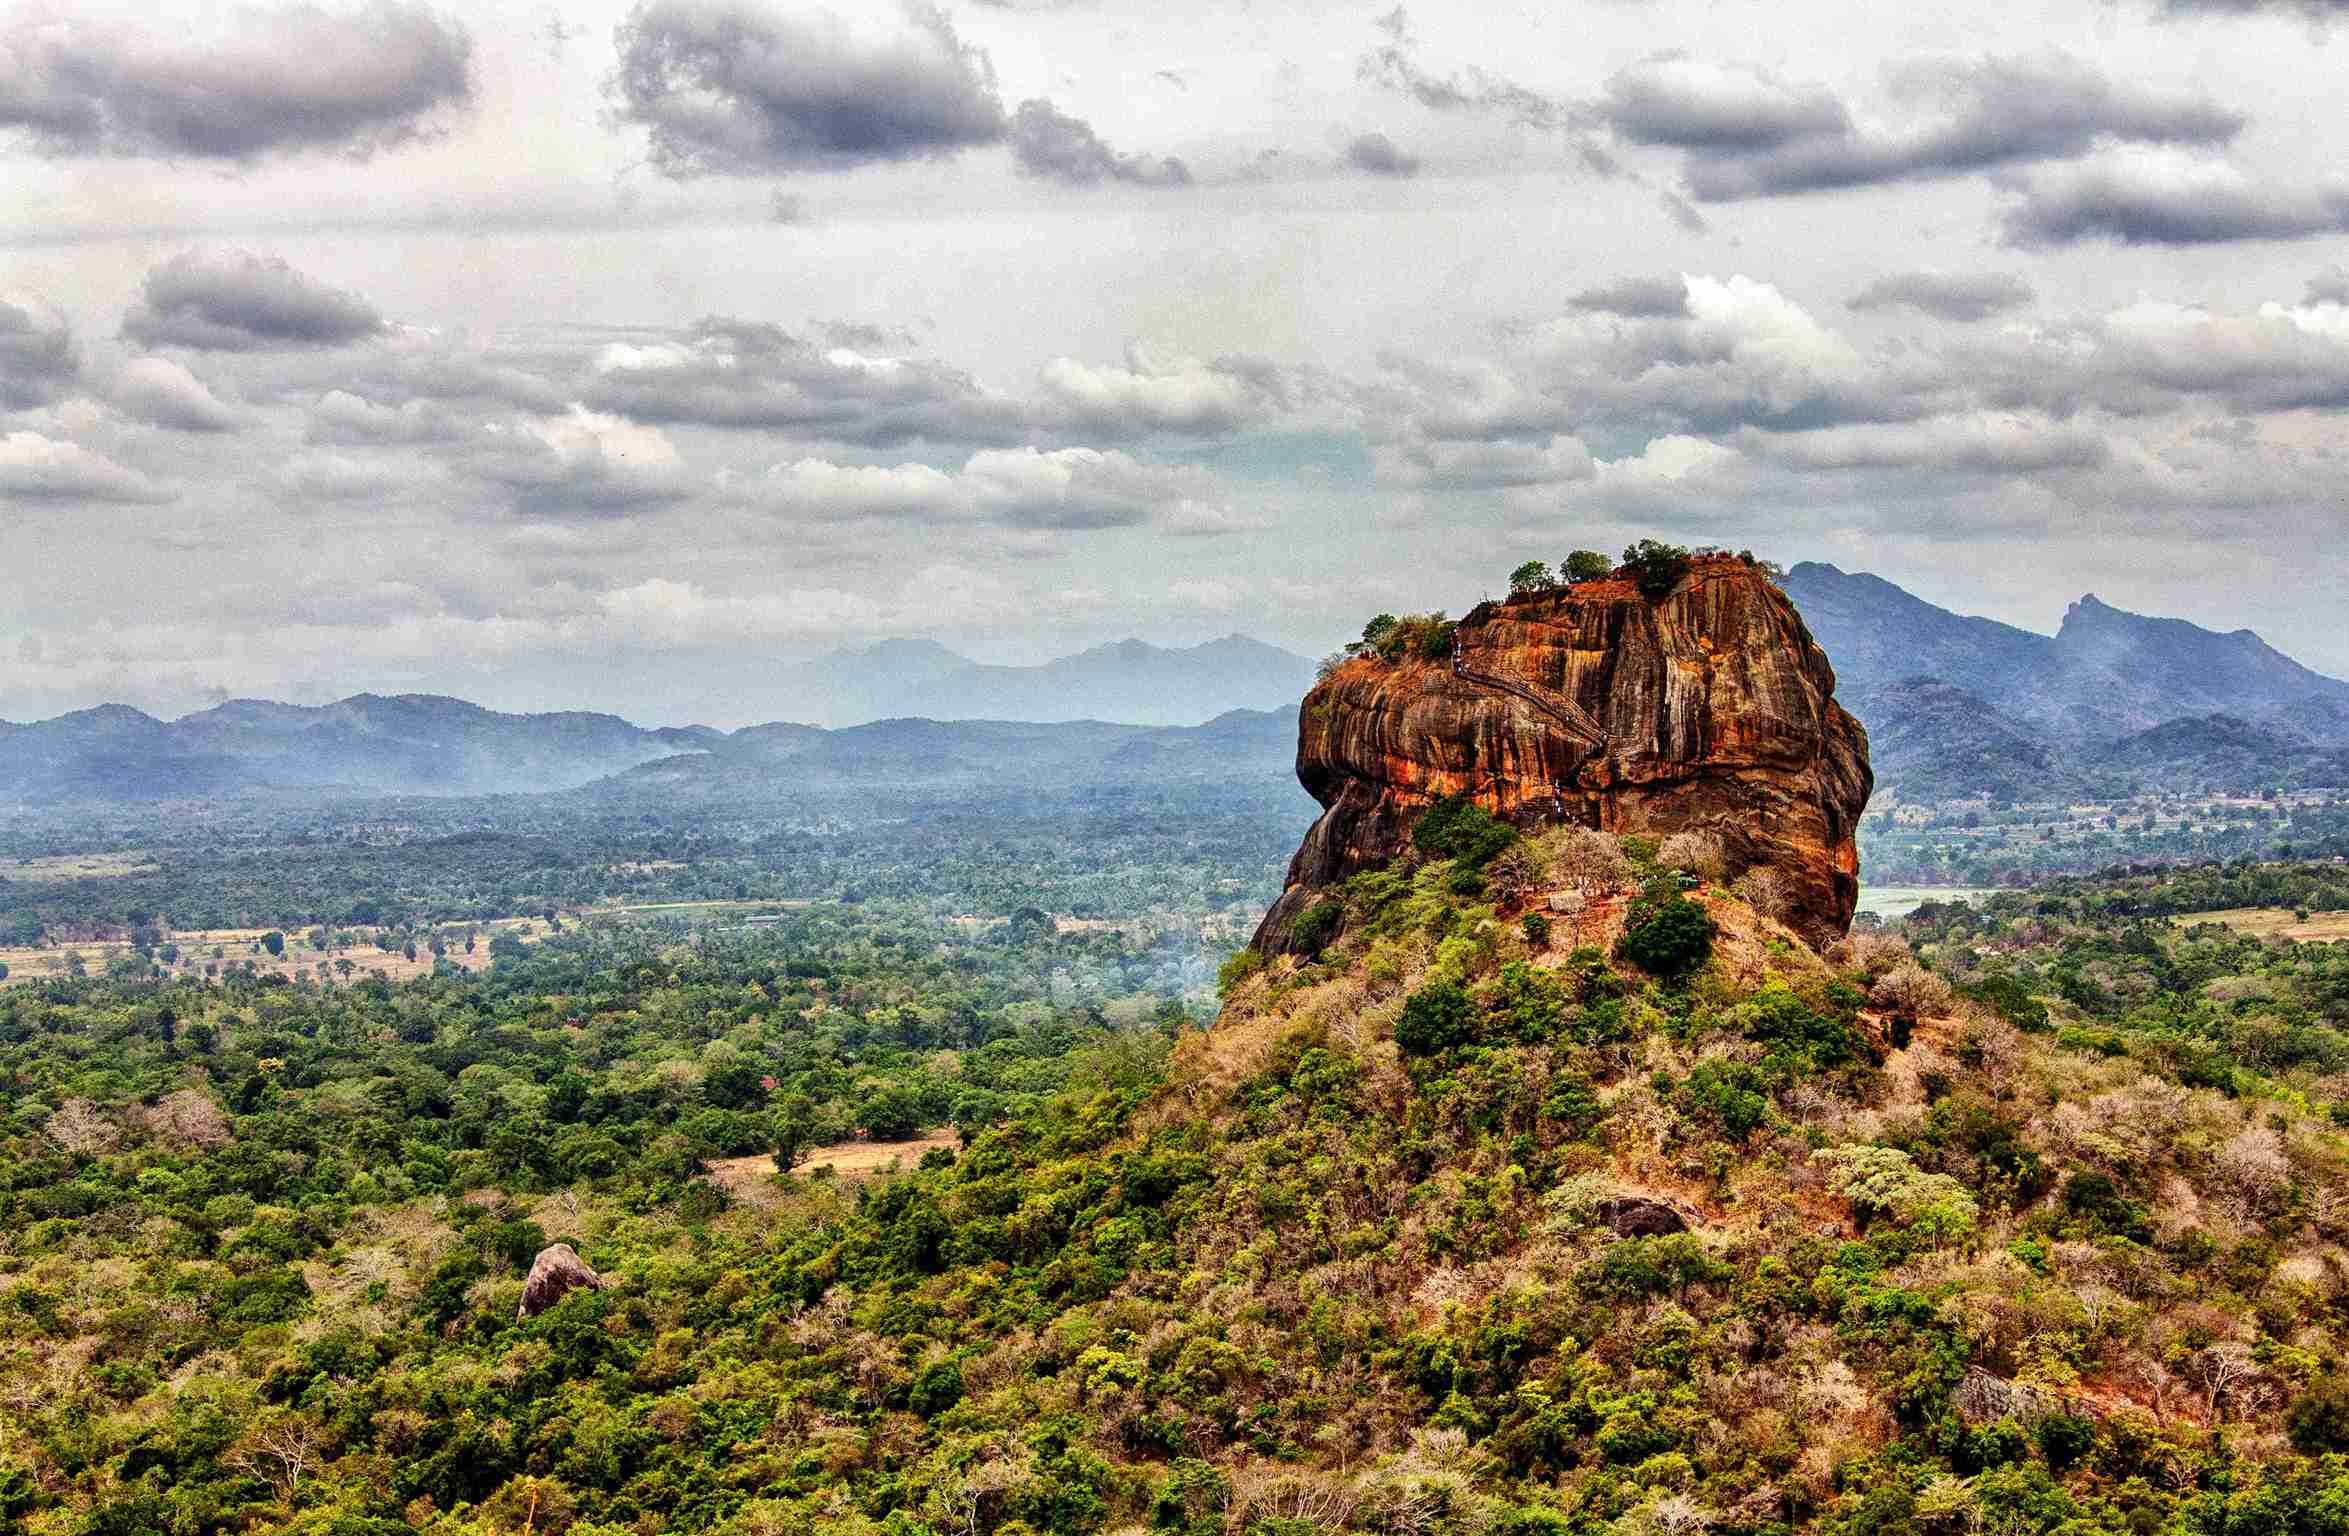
point(235, 946)
point(80, 866)
point(751, 1180)
point(2276, 923)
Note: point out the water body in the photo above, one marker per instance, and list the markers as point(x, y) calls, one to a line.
point(1900, 900)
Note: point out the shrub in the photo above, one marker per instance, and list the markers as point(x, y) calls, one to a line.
point(1456, 827)
point(1537, 930)
point(1236, 970)
point(1695, 852)
point(1727, 1091)
point(2319, 1420)
point(1317, 925)
point(1910, 992)
point(1656, 568)
point(1666, 935)
point(1435, 1018)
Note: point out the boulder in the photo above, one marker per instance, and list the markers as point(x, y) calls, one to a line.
point(554, 1274)
point(1709, 709)
point(1637, 1216)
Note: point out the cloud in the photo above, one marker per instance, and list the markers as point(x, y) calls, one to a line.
point(243, 303)
point(38, 359)
point(2330, 286)
point(749, 88)
point(1374, 154)
point(1049, 144)
point(1636, 297)
point(38, 468)
point(162, 393)
point(1393, 66)
point(583, 462)
point(339, 416)
point(267, 82)
point(1690, 104)
point(1744, 134)
point(1182, 395)
point(2156, 198)
point(345, 478)
point(755, 376)
point(1079, 488)
point(1981, 442)
point(1061, 490)
point(1956, 297)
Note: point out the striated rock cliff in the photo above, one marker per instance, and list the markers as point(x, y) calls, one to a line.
point(1708, 708)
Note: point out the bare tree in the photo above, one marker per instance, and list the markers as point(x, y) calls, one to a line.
point(2229, 1379)
point(279, 1452)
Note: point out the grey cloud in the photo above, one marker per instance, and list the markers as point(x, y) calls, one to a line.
point(2166, 205)
point(339, 416)
point(1468, 90)
point(1377, 155)
point(161, 393)
point(581, 464)
point(747, 88)
point(751, 375)
point(38, 359)
point(1080, 489)
point(34, 467)
point(1963, 298)
point(276, 81)
point(1746, 135)
point(2330, 286)
point(1687, 104)
point(1641, 297)
point(243, 303)
point(1049, 144)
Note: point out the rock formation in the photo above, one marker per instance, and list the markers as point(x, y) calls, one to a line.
point(1709, 708)
point(554, 1274)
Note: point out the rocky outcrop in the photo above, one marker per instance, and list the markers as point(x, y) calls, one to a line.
point(554, 1274)
point(1708, 708)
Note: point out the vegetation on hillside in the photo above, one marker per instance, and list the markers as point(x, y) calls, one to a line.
point(2033, 1229)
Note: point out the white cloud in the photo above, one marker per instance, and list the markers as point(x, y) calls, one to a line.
point(37, 468)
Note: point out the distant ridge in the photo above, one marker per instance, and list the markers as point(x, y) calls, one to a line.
point(1129, 681)
point(915, 693)
point(1959, 706)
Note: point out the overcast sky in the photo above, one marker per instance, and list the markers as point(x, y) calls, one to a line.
point(608, 356)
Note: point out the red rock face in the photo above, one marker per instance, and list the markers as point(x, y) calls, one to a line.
point(1711, 708)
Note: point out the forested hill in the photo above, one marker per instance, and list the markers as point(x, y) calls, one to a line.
point(1483, 1219)
point(418, 744)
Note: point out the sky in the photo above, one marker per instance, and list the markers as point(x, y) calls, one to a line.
point(614, 356)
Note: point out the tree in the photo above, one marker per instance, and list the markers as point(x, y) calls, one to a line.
point(1588, 565)
point(274, 942)
point(1435, 1018)
point(1656, 567)
point(1532, 576)
point(1667, 935)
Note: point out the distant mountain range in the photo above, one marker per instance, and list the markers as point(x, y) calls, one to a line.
point(1001, 724)
point(1131, 682)
point(2112, 703)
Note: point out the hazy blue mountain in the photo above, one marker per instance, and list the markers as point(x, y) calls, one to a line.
point(1132, 682)
point(2112, 702)
point(2105, 674)
point(960, 755)
point(1932, 740)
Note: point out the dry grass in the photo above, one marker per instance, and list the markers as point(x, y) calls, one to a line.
point(238, 945)
point(2276, 923)
point(751, 1180)
point(80, 866)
